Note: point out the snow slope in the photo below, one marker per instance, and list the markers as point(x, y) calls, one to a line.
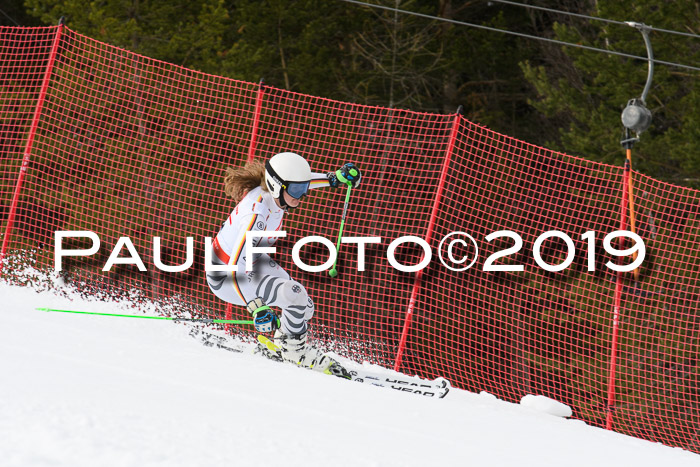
point(79, 390)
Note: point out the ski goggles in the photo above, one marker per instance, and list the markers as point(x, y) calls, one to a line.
point(297, 189)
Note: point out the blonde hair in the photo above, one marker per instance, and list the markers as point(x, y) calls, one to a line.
point(240, 180)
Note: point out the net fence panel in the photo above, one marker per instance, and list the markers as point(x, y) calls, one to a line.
point(128, 146)
point(24, 54)
point(549, 333)
point(513, 333)
point(132, 147)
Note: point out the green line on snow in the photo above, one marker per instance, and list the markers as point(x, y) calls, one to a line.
point(198, 320)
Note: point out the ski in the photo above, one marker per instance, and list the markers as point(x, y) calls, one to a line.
point(214, 340)
point(413, 385)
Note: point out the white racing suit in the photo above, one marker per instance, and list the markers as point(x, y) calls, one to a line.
point(258, 211)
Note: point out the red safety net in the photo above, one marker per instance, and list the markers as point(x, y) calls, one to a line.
point(123, 145)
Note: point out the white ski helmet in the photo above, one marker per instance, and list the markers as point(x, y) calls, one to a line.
point(287, 171)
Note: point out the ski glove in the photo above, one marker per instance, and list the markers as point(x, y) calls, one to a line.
point(347, 174)
point(264, 318)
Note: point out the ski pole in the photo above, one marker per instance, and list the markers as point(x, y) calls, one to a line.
point(334, 272)
point(196, 320)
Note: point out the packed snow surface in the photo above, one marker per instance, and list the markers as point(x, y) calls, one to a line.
point(83, 390)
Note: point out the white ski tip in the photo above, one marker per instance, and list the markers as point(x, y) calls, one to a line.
point(546, 405)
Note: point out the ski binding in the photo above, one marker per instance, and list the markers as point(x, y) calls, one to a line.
point(413, 385)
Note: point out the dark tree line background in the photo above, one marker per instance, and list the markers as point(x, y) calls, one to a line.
point(564, 98)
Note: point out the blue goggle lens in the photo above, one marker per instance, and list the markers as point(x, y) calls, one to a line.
point(297, 189)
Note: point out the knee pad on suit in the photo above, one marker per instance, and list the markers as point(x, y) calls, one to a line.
point(296, 296)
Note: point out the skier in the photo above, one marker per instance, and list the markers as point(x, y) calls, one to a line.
point(265, 192)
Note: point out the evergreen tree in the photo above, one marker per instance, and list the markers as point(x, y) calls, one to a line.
point(482, 67)
point(13, 13)
point(188, 33)
point(297, 45)
point(396, 59)
point(584, 96)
